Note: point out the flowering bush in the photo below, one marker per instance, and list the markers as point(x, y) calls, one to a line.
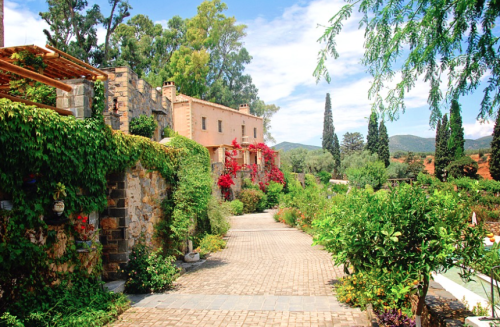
point(211, 243)
point(253, 200)
point(237, 207)
point(84, 230)
point(271, 170)
point(149, 271)
point(395, 318)
point(231, 167)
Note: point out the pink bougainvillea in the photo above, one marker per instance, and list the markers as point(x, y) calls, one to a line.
point(272, 172)
point(231, 167)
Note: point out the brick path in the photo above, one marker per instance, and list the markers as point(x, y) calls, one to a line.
point(268, 275)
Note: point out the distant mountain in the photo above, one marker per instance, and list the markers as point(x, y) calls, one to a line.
point(419, 144)
point(286, 146)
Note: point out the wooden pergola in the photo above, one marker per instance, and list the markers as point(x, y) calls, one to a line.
point(60, 66)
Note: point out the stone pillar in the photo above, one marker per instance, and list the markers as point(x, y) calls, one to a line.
point(79, 100)
point(222, 154)
point(113, 224)
point(246, 157)
point(260, 162)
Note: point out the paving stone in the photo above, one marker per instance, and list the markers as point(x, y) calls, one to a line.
point(268, 275)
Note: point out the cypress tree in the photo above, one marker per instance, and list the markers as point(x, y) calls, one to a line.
point(328, 129)
point(336, 152)
point(437, 152)
point(456, 141)
point(444, 154)
point(372, 137)
point(495, 151)
point(383, 144)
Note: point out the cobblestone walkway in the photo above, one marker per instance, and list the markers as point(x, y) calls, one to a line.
point(268, 275)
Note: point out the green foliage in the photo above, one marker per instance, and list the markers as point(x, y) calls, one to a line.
point(383, 144)
point(211, 243)
point(381, 288)
point(372, 137)
point(310, 181)
point(490, 259)
point(328, 129)
point(248, 184)
point(415, 165)
point(352, 143)
point(218, 213)
point(407, 232)
point(149, 271)
point(495, 151)
point(409, 39)
point(463, 167)
point(289, 216)
point(357, 160)
point(143, 126)
point(237, 207)
point(84, 303)
point(336, 152)
point(373, 174)
point(79, 154)
point(253, 200)
point(456, 141)
point(397, 170)
point(324, 177)
point(273, 192)
point(98, 103)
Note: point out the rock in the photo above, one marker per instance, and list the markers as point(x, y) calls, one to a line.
point(192, 257)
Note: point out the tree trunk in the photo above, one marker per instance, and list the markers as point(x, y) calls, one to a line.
point(421, 301)
point(1, 25)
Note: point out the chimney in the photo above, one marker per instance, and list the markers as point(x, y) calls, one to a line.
point(244, 108)
point(169, 90)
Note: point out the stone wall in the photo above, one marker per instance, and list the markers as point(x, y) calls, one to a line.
point(79, 100)
point(129, 96)
point(134, 207)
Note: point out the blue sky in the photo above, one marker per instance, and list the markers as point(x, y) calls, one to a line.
point(281, 37)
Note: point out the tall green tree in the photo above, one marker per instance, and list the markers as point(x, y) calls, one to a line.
point(423, 39)
point(372, 137)
point(456, 141)
point(328, 129)
point(437, 150)
point(495, 151)
point(266, 111)
point(383, 145)
point(444, 154)
point(352, 143)
point(73, 27)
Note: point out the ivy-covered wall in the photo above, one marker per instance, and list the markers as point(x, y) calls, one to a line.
point(40, 151)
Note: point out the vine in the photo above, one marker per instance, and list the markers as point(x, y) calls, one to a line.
point(231, 167)
point(271, 170)
point(39, 144)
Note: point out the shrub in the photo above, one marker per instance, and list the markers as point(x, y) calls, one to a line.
point(310, 181)
point(218, 213)
point(149, 271)
point(373, 174)
point(340, 188)
point(236, 207)
point(143, 126)
point(248, 184)
point(273, 192)
point(397, 170)
point(252, 200)
point(324, 177)
point(395, 318)
point(429, 160)
point(481, 153)
point(289, 216)
point(398, 154)
point(211, 243)
point(463, 167)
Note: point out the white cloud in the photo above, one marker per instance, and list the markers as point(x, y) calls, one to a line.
point(23, 26)
point(478, 129)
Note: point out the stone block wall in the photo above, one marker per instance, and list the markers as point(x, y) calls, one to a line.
point(129, 96)
point(134, 207)
point(79, 100)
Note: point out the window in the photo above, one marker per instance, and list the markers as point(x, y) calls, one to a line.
point(255, 133)
point(243, 130)
point(204, 123)
point(220, 126)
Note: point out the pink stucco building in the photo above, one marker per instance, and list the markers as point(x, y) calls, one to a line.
point(215, 126)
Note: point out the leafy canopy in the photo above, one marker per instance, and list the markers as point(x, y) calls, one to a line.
point(444, 42)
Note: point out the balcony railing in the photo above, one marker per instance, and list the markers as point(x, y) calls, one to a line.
point(245, 141)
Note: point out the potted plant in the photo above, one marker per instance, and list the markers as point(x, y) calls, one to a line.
point(85, 233)
point(59, 193)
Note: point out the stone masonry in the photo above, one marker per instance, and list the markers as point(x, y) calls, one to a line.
point(129, 96)
point(79, 100)
point(134, 207)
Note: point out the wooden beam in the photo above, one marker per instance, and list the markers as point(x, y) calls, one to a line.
point(37, 77)
point(62, 112)
point(78, 61)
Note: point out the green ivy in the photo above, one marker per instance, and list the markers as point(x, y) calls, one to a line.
point(143, 126)
point(78, 154)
